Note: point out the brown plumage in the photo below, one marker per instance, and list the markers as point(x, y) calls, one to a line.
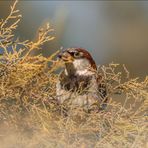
point(79, 83)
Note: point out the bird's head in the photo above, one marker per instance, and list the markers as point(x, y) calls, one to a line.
point(77, 61)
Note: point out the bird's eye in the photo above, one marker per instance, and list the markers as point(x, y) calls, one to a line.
point(77, 54)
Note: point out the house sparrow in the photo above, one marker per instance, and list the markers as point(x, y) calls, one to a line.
point(79, 84)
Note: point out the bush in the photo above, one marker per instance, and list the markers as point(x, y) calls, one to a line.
point(31, 117)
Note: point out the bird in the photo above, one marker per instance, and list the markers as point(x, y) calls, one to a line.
point(79, 84)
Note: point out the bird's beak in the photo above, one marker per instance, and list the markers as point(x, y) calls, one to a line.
point(66, 57)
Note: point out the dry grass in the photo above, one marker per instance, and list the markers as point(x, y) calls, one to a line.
point(30, 117)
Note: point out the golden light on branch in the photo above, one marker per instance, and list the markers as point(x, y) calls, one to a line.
point(28, 102)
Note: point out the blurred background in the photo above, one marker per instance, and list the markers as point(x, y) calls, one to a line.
point(113, 31)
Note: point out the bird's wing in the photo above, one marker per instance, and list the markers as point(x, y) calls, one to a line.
point(102, 89)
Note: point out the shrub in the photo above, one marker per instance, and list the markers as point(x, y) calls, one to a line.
point(30, 115)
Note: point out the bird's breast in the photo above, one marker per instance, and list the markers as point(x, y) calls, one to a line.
point(75, 83)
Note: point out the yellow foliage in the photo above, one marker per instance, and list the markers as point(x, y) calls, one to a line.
point(29, 108)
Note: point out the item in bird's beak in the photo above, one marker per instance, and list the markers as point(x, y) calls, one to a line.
point(66, 57)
